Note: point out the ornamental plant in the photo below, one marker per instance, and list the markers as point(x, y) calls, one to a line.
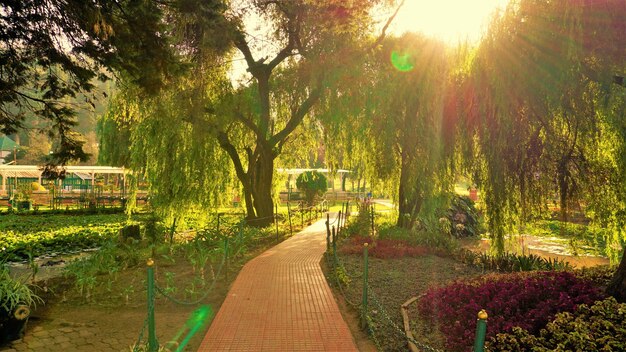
point(600, 327)
point(464, 218)
point(526, 300)
point(313, 184)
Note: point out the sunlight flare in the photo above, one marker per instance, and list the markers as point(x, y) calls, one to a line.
point(449, 20)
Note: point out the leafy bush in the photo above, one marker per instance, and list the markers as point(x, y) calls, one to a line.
point(313, 184)
point(416, 237)
point(600, 327)
point(360, 225)
point(511, 262)
point(109, 260)
point(14, 292)
point(463, 217)
point(527, 300)
point(600, 275)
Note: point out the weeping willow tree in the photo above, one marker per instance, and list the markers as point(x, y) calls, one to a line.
point(407, 112)
point(160, 138)
point(389, 117)
point(291, 63)
point(543, 108)
point(531, 110)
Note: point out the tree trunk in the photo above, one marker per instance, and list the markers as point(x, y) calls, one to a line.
point(409, 201)
point(563, 194)
point(261, 181)
point(617, 286)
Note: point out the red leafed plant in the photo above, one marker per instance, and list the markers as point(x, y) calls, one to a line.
point(384, 248)
point(526, 300)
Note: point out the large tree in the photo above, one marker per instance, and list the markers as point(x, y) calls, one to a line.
point(541, 107)
point(296, 55)
point(52, 51)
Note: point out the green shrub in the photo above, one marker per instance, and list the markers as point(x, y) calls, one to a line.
point(600, 275)
point(360, 225)
point(464, 219)
point(511, 262)
point(313, 183)
point(528, 300)
point(599, 327)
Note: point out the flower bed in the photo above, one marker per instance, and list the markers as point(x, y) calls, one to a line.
point(384, 248)
point(523, 300)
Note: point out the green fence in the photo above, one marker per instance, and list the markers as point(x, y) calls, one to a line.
point(369, 301)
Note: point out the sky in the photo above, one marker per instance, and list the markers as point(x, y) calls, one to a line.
point(449, 20)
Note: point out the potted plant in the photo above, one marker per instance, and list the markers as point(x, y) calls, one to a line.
point(16, 298)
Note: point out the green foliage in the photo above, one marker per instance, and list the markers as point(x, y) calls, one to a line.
point(185, 169)
point(31, 236)
point(360, 225)
point(342, 276)
point(597, 327)
point(600, 275)
point(313, 183)
point(42, 76)
point(101, 267)
point(558, 133)
point(511, 262)
point(465, 220)
point(14, 292)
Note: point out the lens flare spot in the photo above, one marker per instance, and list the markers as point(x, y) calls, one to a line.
point(401, 61)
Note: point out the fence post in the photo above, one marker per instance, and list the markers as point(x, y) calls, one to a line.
point(481, 330)
point(339, 223)
point(372, 212)
point(365, 274)
point(226, 258)
point(302, 216)
point(153, 344)
point(327, 232)
point(289, 216)
point(334, 244)
point(276, 219)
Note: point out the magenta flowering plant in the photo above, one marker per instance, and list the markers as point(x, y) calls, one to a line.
point(526, 300)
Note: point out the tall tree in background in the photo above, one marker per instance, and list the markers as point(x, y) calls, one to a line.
point(407, 111)
point(543, 102)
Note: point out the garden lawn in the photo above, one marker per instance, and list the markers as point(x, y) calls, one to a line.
point(393, 282)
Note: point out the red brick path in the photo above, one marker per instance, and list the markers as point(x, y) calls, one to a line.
point(281, 302)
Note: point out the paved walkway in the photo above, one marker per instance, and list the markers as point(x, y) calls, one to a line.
point(281, 302)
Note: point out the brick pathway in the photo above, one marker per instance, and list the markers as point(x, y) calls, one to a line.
point(281, 302)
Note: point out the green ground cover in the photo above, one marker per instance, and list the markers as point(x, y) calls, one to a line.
point(28, 236)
